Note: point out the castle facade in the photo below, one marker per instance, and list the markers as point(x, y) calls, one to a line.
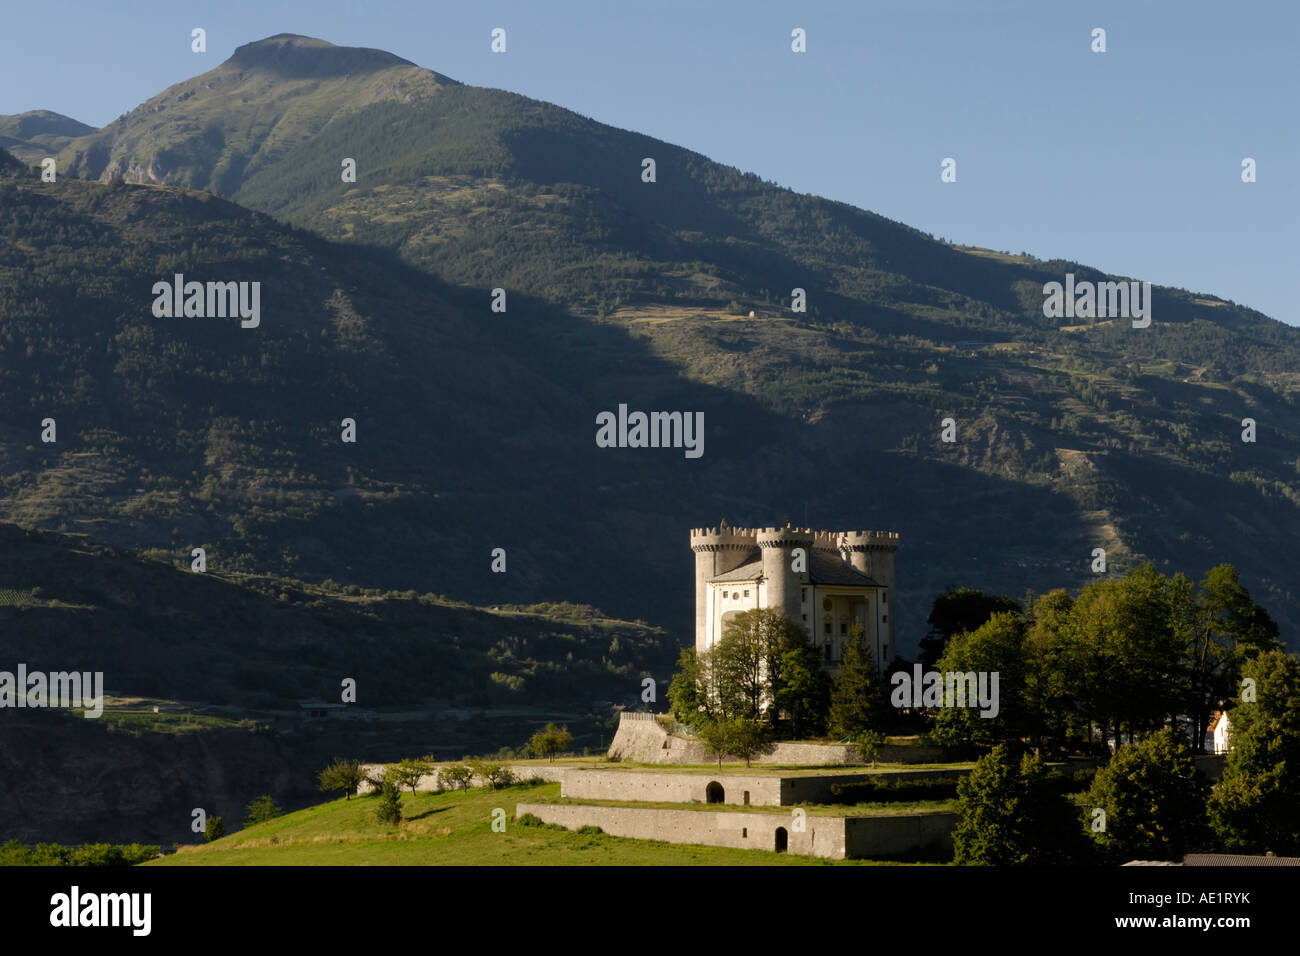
point(825, 580)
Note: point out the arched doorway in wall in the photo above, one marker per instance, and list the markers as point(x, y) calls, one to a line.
point(714, 793)
point(782, 840)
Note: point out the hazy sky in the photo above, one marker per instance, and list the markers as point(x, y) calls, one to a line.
point(1129, 161)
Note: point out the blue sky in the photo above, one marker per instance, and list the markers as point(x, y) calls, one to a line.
point(1129, 161)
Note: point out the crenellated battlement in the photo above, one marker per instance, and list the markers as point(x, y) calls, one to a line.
point(726, 536)
point(785, 537)
point(713, 539)
point(869, 540)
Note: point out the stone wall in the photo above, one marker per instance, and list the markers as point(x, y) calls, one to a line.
point(824, 836)
point(834, 838)
point(671, 787)
point(743, 789)
point(641, 738)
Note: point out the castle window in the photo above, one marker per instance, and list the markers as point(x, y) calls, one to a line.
point(884, 619)
point(826, 649)
point(724, 595)
point(844, 627)
point(827, 627)
point(805, 618)
point(884, 597)
point(746, 594)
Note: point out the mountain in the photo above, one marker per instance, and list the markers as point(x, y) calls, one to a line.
point(1072, 434)
point(180, 433)
point(33, 135)
point(216, 130)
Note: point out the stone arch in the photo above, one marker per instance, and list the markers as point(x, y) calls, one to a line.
point(714, 793)
point(782, 840)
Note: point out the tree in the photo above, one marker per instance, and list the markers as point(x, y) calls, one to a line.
point(741, 737)
point(992, 648)
point(686, 697)
point(801, 692)
point(1253, 807)
point(408, 773)
point(262, 809)
point(957, 610)
point(550, 740)
point(739, 664)
point(345, 775)
point(716, 737)
point(493, 775)
point(1223, 628)
point(763, 667)
point(214, 829)
point(1051, 672)
point(390, 803)
point(455, 775)
point(1008, 813)
point(747, 738)
point(1130, 668)
point(1154, 801)
point(989, 829)
point(856, 697)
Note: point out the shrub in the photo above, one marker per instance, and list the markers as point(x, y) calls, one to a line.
point(390, 804)
point(262, 809)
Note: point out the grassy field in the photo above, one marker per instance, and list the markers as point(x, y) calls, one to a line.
point(730, 767)
point(876, 809)
point(451, 829)
point(146, 721)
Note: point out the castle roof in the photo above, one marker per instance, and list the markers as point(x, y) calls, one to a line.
point(823, 568)
point(827, 569)
point(749, 571)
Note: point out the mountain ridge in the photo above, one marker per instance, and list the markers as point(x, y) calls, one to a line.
point(292, 54)
point(35, 134)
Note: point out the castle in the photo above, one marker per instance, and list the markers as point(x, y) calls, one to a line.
point(826, 580)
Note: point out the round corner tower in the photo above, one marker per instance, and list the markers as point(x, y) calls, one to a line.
point(717, 551)
point(872, 553)
point(783, 582)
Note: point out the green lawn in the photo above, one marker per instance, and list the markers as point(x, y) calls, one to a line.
point(736, 767)
point(451, 829)
point(874, 809)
